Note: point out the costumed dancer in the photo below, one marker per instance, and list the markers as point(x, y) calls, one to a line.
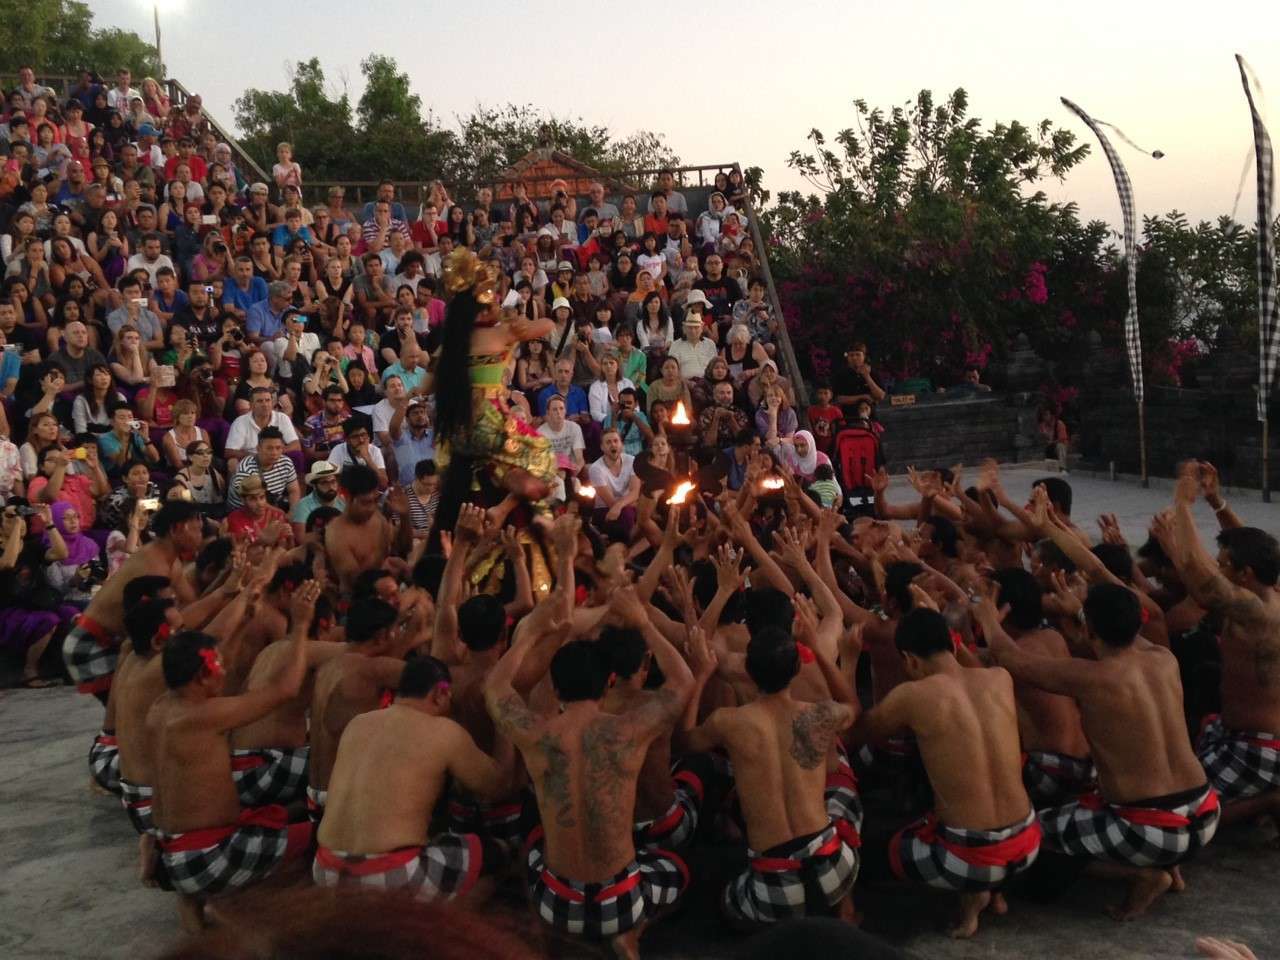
point(476, 430)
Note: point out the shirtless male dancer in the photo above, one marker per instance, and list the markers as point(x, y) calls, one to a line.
point(269, 757)
point(140, 683)
point(802, 835)
point(983, 829)
point(92, 647)
point(208, 842)
point(362, 538)
point(1241, 749)
point(352, 683)
point(1056, 767)
point(391, 769)
point(1153, 807)
point(585, 875)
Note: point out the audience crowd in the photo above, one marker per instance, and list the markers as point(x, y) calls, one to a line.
point(221, 491)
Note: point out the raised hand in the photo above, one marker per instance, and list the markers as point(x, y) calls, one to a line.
point(1163, 530)
point(470, 525)
point(398, 500)
point(728, 566)
point(790, 547)
point(564, 534)
point(625, 602)
point(1069, 602)
point(511, 544)
point(702, 657)
point(920, 598)
point(1187, 488)
point(1110, 529)
point(1210, 486)
point(302, 605)
point(807, 618)
point(879, 481)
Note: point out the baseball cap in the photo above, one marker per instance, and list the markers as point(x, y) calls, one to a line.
point(259, 188)
point(564, 265)
point(419, 402)
point(147, 130)
point(320, 470)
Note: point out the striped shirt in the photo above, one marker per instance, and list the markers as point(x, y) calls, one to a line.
point(422, 514)
point(276, 479)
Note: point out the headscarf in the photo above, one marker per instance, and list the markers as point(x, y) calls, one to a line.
point(81, 549)
point(809, 462)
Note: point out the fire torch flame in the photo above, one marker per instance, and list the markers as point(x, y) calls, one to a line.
point(685, 488)
point(587, 492)
point(680, 418)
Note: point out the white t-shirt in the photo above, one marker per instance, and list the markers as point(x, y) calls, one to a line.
point(339, 457)
point(598, 397)
point(602, 476)
point(566, 441)
point(243, 434)
point(382, 413)
point(651, 263)
point(139, 262)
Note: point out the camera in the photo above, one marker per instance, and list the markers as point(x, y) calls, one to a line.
point(219, 248)
point(208, 289)
point(150, 504)
point(25, 511)
point(237, 334)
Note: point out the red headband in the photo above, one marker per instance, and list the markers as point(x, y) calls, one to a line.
point(163, 632)
point(806, 655)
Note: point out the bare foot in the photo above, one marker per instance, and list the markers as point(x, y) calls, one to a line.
point(971, 907)
point(191, 914)
point(999, 906)
point(846, 912)
point(1179, 884)
point(626, 946)
point(97, 788)
point(147, 860)
point(1145, 889)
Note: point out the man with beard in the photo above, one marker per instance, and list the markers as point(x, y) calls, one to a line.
point(322, 479)
point(719, 424)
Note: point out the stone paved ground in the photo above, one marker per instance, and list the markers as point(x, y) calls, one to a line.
point(67, 856)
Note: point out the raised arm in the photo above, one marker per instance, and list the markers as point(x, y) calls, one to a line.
point(1065, 675)
point(831, 625)
point(227, 713)
point(444, 641)
point(1206, 583)
point(740, 530)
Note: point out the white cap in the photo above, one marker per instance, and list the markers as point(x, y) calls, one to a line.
point(561, 302)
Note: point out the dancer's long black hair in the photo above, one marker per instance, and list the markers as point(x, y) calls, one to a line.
point(453, 410)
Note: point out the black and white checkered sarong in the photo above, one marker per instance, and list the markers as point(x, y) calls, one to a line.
point(953, 858)
point(91, 654)
point(136, 799)
point(1238, 764)
point(447, 867)
point(1053, 778)
point(316, 800)
point(1160, 832)
point(655, 878)
point(104, 761)
point(507, 823)
point(205, 862)
point(674, 829)
point(269, 775)
point(807, 875)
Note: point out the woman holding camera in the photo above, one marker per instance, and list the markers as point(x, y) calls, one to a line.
point(213, 262)
point(31, 610)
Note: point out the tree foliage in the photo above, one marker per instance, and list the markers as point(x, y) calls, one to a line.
point(58, 37)
point(925, 237)
point(387, 134)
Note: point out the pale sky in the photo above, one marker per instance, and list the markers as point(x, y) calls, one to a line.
point(748, 85)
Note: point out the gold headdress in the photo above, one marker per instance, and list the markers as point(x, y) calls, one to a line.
point(463, 270)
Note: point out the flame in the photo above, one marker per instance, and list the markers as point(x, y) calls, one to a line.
point(680, 417)
point(685, 488)
point(587, 491)
point(772, 483)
